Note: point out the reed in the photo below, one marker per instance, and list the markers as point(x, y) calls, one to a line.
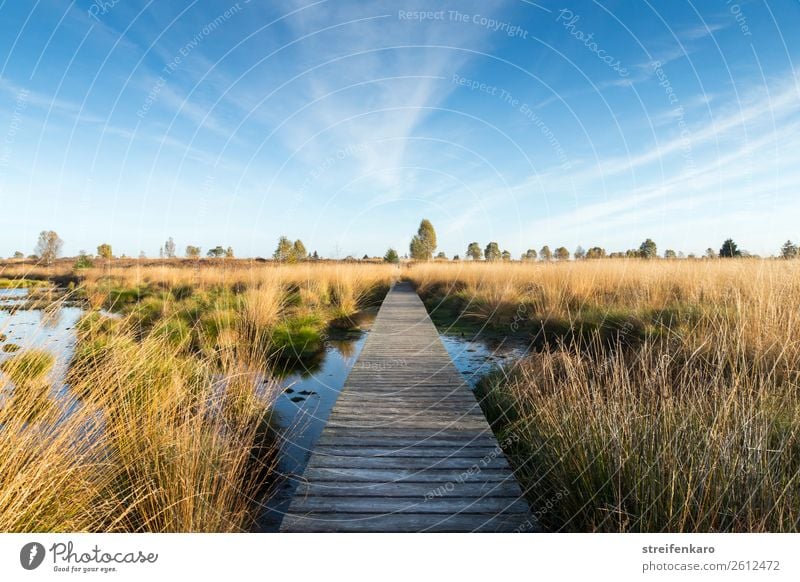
point(167, 422)
point(665, 397)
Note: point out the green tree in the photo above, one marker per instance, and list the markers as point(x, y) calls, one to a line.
point(391, 257)
point(579, 253)
point(284, 250)
point(216, 252)
point(562, 254)
point(648, 249)
point(492, 252)
point(83, 261)
point(48, 247)
point(474, 251)
point(299, 252)
point(545, 253)
point(789, 250)
point(596, 253)
point(710, 253)
point(506, 256)
point(729, 249)
point(192, 252)
point(315, 256)
point(18, 255)
point(229, 253)
point(104, 251)
point(441, 256)
point(423, 245)
point(670, 254)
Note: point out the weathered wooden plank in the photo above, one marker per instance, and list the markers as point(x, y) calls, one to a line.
point(457, 462)
point(412, 451)
point(407, 522)
point(417, 504)
point(356, 432)
point(417, 489)
point(439, 475)
point(402, 441)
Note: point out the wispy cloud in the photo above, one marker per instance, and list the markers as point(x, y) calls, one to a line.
point(49, 103)
point(740, 155)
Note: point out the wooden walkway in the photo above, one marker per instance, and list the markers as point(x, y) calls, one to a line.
point(406, 447)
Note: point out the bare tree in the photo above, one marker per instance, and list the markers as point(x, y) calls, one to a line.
point(169, 248)
point(48, 246)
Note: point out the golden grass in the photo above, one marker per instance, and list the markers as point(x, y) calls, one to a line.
point(666, 397)
point(168, 427)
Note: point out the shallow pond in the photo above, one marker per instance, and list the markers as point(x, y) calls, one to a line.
point(303, 409)
point(51, 329)
point(309, 395)
point(308, 392)
point(475, 357)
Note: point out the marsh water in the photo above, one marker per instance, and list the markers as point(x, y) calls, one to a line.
point(48, 329)
point(310, 393)
point(309, 390)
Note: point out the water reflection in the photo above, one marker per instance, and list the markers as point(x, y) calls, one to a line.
point(475, 357)
point(52, 329)
point(309, 394)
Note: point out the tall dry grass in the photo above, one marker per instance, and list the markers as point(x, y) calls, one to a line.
point(150, 439)
point(167, 423)
point(666, 397)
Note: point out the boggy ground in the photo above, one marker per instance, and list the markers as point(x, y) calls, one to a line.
point(658, 395)
point(166, 424)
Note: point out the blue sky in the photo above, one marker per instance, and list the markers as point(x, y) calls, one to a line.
point(344, 123)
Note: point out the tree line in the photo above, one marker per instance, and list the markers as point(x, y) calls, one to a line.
point(421, 248)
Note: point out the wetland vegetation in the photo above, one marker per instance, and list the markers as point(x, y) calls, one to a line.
point(641, 395)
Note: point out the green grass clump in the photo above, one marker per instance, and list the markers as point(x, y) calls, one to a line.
point(297, 337)
point(29, 366)
point(30, 400)
point(175, 331)
point(22, 283)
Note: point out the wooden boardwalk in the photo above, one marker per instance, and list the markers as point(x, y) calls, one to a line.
point(406, 447)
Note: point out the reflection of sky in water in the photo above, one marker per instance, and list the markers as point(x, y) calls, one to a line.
point(51, 330)
point(303, 410)
point(309, 393)
point(309, 396)
point(474, 358)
